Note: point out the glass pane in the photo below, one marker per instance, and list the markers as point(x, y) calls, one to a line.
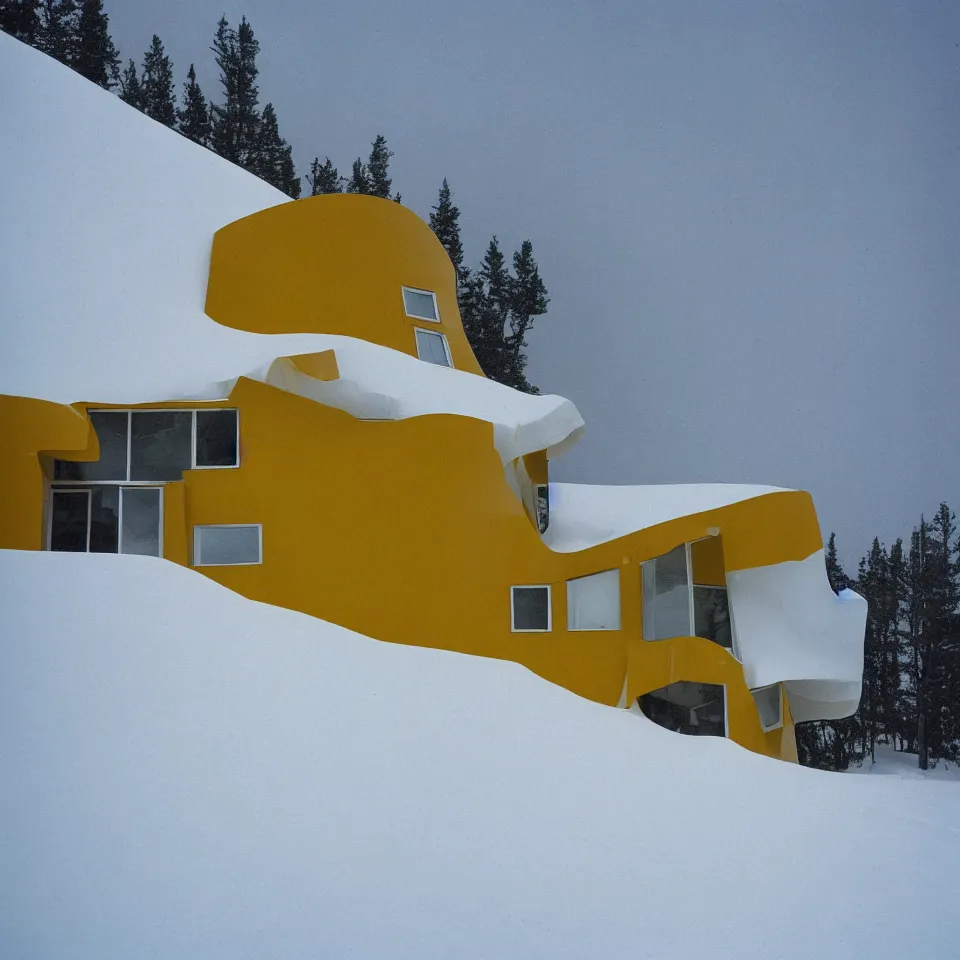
point(686, 707)
point(216, 438)
point(767, 700)
point(68, 521)
point(111, 429)
point(531, 608)
point(140, 533)
point(104, 519)
point(430, 348)
point(593, 603)
point(220, 546)
point(543, 507)
point(666, 596)
point(711, 615)
point(419, 305)
point(159, 445)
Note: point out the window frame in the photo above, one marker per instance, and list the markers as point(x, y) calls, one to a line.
point(193, 411)
point(83, 486)
point(443, 340)
point(219, 526)
point(726, 702)
point(586, 576)
point(531, 586)
point(779, 724)
point(404, 289)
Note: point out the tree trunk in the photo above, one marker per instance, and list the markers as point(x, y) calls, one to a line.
point(922, 739)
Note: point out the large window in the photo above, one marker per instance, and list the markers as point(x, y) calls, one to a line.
point(227, 544)
point(420, 304)
point(156, 445)
point(697, 709)
point(530, 609)
point(593, 602)
point(432, 347)
point(107, 518)
point(675, 606)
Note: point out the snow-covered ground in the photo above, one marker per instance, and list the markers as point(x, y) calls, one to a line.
point(895, 763)
point(187, 773)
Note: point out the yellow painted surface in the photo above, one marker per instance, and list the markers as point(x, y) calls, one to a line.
point(402, 530)
point(335, 263)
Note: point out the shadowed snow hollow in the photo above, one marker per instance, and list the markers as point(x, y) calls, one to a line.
point(189, 773)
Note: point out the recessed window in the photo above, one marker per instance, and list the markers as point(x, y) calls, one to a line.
point(156, 445)
point(543, 507)
point(530, 609)
point(769, 701)
point(696, 709)
point(227, 544)
point(107, 518)
point(432, 347)
point(420, 304)
point(593, 602)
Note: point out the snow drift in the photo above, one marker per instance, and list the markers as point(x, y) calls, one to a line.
point(191, 774)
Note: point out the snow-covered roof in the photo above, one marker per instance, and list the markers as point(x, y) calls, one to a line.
point(207, 776)
point(112, 217)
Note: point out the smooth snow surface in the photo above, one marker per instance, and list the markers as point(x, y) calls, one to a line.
point(583, 515)
point(888, 762)
point(190, 774)
point(129, 223)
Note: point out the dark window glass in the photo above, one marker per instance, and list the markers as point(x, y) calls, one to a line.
point(68, 521)
point(687, 707)
point(104, 519)
point(111, 428)
point(160, 445)
point(141, 521)
point(543, 507)
point(216, 438)
point(531, 608)
point(711, 615)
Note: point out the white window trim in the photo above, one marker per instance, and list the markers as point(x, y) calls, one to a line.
point(246, 563)
point(193, 445)
point(532, 586)
point(427, 293)
point(433, 333)
point(585, 576)
point(779, 723)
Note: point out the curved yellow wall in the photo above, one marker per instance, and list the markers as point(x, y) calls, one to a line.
point(337, 264)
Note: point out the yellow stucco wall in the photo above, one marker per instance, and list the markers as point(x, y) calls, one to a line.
point(334, 264)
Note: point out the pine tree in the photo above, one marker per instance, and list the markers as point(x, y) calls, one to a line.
point(57, 31)
point(324, 178)
point(21, 19)
point(96, 56)
point(528, 300)
point(157, 85)
point(273, 160)
point(193, 121)
point(445, 223)
point(359, 181)
point(838, 579)
point(130, 90)
point(235, 122)
point(378, 167)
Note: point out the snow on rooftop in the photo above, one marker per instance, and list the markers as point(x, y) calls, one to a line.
point(113, 217)
point(189, 773)
point(583, 515)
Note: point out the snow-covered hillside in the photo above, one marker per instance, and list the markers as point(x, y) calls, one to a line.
point(190, 774)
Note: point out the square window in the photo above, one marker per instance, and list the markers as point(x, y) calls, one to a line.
point(160, 444)
point(216, 441)
point(432, 347)
point(593, 602)
point(420, 304)
point(769, 706)
point(530, 609)
point(227, 544)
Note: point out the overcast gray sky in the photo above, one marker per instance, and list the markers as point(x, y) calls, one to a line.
point(747, 214)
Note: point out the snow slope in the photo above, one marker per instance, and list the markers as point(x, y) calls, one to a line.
point(127, 213)
point(191, 774)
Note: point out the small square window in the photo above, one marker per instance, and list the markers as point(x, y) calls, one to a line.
point(420, 304)
point(530, 609)
point(227, 544)
point(216, 440)
point(432, 347)
point(769, 706)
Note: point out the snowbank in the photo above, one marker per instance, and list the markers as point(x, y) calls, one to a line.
point(112, 217)
point(188, 773)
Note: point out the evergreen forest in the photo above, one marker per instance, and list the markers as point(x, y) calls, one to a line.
point(911, 683)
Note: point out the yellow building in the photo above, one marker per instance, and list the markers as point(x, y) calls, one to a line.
point(384, 484)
